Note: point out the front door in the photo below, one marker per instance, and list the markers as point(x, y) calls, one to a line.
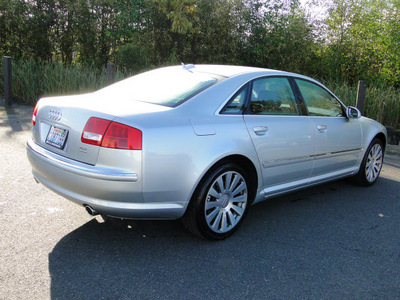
point(338, 138)
point(283, 138)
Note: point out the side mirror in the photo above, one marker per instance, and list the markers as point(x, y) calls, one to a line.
point(353, 113)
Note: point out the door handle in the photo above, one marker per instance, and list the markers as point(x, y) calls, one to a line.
point(322, 128)
point(260, 129)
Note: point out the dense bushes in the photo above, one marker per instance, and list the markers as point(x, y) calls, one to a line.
point(33, 80)
point(355, 39)
point(382, 103)
point(64, 46)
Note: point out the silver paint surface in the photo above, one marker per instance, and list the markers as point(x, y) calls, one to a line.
point(180, 145)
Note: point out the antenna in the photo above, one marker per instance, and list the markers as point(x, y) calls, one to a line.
point(187, 67)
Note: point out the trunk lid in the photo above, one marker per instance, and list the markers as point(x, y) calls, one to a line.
point(60, 121)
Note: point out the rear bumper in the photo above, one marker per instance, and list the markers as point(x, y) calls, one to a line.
point(109, 191)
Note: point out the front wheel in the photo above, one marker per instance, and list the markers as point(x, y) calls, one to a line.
point(371, 165)
point(219, 204)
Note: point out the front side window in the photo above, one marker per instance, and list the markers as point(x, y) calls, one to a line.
point(273, 96)
point(319, 101)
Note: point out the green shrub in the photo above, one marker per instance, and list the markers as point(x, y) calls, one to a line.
point(35, 79)
point(131, 58)
point(382, 103)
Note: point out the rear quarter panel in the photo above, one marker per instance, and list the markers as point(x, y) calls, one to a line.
point(175, 158)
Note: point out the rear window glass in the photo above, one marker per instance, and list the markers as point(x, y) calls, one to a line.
point(166, 86)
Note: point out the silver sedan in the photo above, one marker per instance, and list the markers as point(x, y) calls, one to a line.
point(201, 143)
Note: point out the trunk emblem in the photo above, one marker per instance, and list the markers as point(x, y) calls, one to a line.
point(83, 149)
point(55, 115)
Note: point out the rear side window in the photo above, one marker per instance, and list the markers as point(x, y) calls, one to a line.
point(236, 105)
point(319, 101)
point(273, 96)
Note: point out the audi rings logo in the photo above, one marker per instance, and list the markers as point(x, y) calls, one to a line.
point(55, 115)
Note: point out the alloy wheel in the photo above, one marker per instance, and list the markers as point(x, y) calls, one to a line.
point(374, 162)
point(226, 201)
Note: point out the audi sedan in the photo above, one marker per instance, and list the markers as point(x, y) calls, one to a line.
point(201, 143)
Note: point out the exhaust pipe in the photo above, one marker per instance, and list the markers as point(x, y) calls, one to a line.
point(91, 211)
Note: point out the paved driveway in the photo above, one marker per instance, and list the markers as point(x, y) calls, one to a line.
point(330, 242)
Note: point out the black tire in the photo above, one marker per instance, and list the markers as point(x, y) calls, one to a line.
point(371, 164)
point(215, 212)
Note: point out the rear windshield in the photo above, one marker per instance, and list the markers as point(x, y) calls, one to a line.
point(166, 86)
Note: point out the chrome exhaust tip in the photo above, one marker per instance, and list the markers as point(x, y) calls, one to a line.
point(91, 211)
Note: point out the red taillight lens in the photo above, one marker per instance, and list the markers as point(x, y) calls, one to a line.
point(94, 131)
point(121, 136)
point(34, 115)
point(109, 134)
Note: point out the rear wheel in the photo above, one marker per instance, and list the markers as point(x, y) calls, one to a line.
point(371, 165)
point(219, 204)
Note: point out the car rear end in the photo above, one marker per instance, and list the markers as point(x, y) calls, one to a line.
point(85, 156)
point(89, 148)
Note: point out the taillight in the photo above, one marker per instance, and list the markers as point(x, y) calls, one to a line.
point(34, 115)
point(94, 131)
point(121, 136)
point(109, 134)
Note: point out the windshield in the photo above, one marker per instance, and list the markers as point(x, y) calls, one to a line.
point(166, 86)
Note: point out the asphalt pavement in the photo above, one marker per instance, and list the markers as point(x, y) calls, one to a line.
point(334, 241)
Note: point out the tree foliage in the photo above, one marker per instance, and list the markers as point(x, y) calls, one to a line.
point(357, 39)
point(363, 40)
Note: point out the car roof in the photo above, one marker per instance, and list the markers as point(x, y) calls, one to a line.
point(229, 70)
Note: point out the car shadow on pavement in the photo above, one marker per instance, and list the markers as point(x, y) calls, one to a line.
point(327, 240)
point(17, 119)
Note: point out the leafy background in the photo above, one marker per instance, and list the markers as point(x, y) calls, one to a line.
point(63, 46)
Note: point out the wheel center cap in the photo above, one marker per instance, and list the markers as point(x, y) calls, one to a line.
point(224, 200)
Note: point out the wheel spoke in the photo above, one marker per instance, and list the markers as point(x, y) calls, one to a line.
point(211, 205)
point(232, 218)
point(369, 173)
point(221, 184)
point(216, 224)
point(224, 223)
point(234, 183)
point(239, 210)
point(228, 179)
point(212, 192)
point(239, 189)
point(210, 217)
point(375, 173)
point(240, 199)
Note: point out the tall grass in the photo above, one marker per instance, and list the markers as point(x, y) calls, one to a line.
point(35, 79)
point(382, 103)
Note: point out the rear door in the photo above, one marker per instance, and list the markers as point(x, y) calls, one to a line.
point(338, 138)
point(283, 137)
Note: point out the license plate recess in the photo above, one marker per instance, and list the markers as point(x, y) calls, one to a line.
point(57, 137)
